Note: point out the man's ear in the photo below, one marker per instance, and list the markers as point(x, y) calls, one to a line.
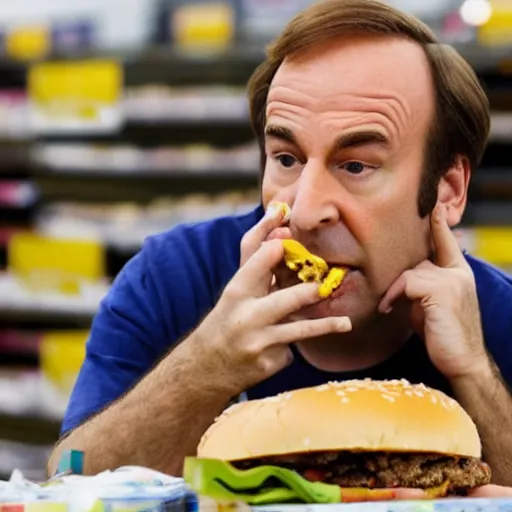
point(452, 190)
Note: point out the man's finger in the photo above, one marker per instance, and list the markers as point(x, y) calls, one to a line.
point(286, 301)
point(413, 284)
point(274, 218)
point(491, 491)
point(447, 250)
point(255, 277)
point(281, 233)
point(306, 329)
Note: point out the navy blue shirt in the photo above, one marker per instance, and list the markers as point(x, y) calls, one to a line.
point(177, 277)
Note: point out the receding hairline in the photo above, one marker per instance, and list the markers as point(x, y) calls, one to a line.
point(352, 36)
point(335, 43)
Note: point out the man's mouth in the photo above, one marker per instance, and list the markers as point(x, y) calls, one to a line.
point(341, 289)
point(290, 278)
point(313, 267)
point(338, 264)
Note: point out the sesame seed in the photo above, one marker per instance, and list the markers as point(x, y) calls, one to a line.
point(306, 441)
point(388, 398)
point(323, 387)
point(340, 393)
point(345, 400)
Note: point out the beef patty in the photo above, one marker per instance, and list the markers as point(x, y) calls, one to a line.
point(382, 470)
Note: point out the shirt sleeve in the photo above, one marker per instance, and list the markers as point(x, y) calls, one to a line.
point(127, 337)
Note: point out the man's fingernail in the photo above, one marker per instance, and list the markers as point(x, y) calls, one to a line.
point(272, 211)
point(344, 323)
point(438, 214)
point(277, 210)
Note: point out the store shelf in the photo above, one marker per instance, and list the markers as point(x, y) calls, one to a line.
point(18, 302)
point(488, 213)
point(29, 429)
point(492, 184)
point(203, 62)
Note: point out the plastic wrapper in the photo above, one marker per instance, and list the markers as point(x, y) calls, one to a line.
point(128, 489)
point(441, 505)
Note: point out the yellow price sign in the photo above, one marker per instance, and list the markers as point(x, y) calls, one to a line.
point(61, 356)
point(497, 31)
point(55, 264)
point(80, 95)
point(28, 42)
point(204, 25)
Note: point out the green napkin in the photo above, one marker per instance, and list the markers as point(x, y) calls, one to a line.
point(262, 485)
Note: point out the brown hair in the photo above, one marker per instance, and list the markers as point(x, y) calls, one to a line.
point(462, 120)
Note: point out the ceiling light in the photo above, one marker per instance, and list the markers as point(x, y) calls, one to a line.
point(476, 12)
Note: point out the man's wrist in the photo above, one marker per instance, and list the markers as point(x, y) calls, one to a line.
point(480, 374)
point(195, 369)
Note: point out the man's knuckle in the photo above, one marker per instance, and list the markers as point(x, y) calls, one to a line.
point(233, 292)
point(305, 330)
point(274, 361)
point(251, 349)
point(246, 244)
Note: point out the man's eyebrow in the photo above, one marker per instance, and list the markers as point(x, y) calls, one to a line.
point(361, 138)
point(281, 133)
point(345, 141)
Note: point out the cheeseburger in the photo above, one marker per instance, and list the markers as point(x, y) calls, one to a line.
point(361, 435)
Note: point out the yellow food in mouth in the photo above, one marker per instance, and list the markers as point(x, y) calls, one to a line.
point(312, 268)
point(332, 281)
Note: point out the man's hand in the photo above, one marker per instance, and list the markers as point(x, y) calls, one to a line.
point(491, 491)
point(445, 311)
point(445, 307)
point(245, 338)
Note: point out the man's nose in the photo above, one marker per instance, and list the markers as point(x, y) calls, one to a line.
point(315, 203)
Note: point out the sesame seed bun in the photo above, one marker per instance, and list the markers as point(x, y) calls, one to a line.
point(357, 415)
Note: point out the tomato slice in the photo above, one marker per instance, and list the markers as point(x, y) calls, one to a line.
point(315, 475)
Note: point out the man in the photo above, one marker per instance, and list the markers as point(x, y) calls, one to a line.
point(369, 130)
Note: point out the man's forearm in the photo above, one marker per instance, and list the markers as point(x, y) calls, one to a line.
point(155, 425)
point(488, 401)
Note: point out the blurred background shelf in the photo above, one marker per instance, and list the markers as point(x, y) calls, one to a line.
point(158, 134)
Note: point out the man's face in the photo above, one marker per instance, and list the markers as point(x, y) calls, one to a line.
point(345, 142)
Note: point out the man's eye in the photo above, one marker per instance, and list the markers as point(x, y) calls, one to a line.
point(286, 160)
point(354, 167)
